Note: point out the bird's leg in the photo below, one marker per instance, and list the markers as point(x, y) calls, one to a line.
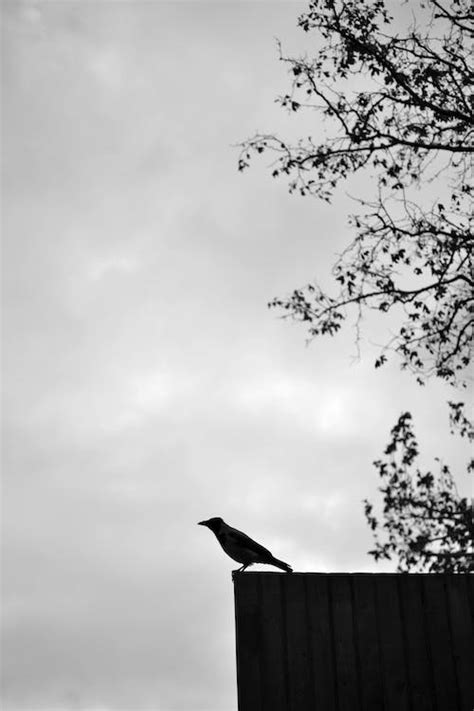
point(241, 569)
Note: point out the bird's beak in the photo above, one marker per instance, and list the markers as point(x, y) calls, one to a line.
point(202, 523)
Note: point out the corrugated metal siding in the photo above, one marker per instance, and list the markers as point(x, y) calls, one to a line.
point(354, 642)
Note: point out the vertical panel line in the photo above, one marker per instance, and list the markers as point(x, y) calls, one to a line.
point(355, 641)
point(236, 603)
point(404, 644)
point(451, 640)
point(333, 644)
point(309, 641)
point(260, 659)
point(470, 597)
point(466, 578)
point(379, 642)
point(426, 635)
point(285, 641)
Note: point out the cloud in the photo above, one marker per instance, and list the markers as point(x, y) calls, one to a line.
point(112, 265)
point(147, 386)
point(108, 67)
point(308, 403)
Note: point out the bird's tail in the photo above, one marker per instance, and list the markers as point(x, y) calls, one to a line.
point(280, 564)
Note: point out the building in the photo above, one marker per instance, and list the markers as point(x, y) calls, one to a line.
point(354, 642)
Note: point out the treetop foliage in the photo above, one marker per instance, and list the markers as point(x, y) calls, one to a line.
point(398, 102)
point(427, 525)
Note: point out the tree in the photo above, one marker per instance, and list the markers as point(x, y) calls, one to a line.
point(395, 92)
point(427, 525)
point(412, 124)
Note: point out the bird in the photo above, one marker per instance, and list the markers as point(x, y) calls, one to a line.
point(241, 547)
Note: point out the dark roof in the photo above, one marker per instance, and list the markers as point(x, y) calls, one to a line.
point(354, 642)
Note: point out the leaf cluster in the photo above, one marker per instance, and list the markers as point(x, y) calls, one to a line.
point(425, 524)
point(398, 104)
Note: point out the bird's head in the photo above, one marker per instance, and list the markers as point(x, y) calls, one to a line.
point(214, 523)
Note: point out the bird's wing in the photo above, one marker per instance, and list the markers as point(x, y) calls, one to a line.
point(241, 539)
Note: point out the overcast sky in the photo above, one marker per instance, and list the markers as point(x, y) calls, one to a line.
point(146, 384)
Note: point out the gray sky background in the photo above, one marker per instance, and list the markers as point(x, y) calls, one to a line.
point(146, 384)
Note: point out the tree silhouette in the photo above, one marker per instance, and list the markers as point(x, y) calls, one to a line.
point(426, 524)
point(395, 93)
point(411, 124)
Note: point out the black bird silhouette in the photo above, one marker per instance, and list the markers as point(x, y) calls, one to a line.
point(241, 547)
